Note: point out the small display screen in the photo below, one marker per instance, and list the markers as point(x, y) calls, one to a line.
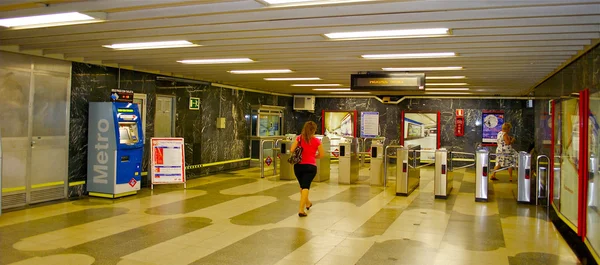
point(125, 110)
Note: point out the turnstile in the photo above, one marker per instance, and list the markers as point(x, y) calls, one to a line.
point(593, 182)
point(543, 180)
point(443, 177)
point(525, 179)
point(408, 174)
point(376, 169)
point(482, 164)
point(0, 173)
point(349, 164)
point(286, 170)
point(324, 164)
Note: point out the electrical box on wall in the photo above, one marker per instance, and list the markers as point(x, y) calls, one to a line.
point(220, 123)
point(304, 103)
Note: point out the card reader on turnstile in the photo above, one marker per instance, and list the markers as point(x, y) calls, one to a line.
point(115, 149)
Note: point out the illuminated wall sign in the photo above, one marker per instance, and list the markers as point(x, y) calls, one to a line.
point(388, 81)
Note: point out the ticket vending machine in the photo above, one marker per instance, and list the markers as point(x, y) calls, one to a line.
point(376, 170)
point(115, 149)
point(348, 162)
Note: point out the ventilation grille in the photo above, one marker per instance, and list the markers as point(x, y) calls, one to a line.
point(48, 194)
point(13, 200)
point(300, 102)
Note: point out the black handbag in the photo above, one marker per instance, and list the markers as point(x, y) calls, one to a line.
point(297, 155)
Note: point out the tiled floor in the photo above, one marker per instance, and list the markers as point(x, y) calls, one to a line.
point(239, 218)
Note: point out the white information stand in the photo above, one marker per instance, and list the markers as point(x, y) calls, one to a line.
point(167, 161)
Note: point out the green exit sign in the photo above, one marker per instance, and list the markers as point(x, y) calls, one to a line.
point(195, 103)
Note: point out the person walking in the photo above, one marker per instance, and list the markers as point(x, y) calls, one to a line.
point(504, 151)
point(306, 170)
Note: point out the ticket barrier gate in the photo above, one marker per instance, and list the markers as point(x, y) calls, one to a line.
point(349, 164)
point(286, 170)
point(262, 158)
point(482, 165)
point(408, 176)
point(525, 180)
point(593, 182)
point(443, 176)
point(543, 181)
point(376, 170)
point(324, 164)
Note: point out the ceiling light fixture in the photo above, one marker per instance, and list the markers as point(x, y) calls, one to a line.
point(448, 93)
point(444, 77)
point(389, 34)
point(151, 45)
point(349, 92)
point(217, 61)
point(447, 89)
point(287, 3)
point(408, 69)
point(409, 55)
point(446, 84)
point(269, 71)
point(331, 89)
point(53, 20)
point(292, 79)
point(316, 85)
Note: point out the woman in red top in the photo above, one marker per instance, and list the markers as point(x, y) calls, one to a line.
point(307, 168)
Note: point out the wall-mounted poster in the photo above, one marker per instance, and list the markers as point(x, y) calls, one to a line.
point(369, 124)
point(492, 125)
point(339, 123)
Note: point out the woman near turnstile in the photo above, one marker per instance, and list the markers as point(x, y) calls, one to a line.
point(306, 170)
point(504, 151)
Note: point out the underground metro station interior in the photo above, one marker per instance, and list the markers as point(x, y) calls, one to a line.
point(159, 131)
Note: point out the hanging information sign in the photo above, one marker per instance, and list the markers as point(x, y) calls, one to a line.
point(167, 161)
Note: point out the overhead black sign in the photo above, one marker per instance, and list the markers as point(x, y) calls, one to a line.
point(119, 95)
point(388, 82)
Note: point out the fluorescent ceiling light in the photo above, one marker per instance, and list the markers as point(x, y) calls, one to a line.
point(316, 85)
point(286, 3)
point(52, 20)
point(349, 92)
point(389, 34)
point(445, 77)
point(151, 45)
point(331, 89)
point(271, 71)
point(217, 61)
point(292, 79)
point(449, 93)
point(408, 69)
point(446, 84)
point(447, 89)
point(409, 55)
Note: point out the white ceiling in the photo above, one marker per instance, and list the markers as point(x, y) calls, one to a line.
point(506, 47)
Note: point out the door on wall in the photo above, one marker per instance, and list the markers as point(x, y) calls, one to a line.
point(33, 119)
point(164, 119)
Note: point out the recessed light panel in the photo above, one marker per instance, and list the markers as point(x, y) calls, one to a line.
point(292, 79)
point(446, 84)
point(410, 55)
point(266, 71)
point(287, 3)
point(331, 89)
point(217, 61)
point(447, 89)
point(52, 20)
point(389, 34)
point(444, 77)
point(316, 85)
point(151, 45)
point(409, 69)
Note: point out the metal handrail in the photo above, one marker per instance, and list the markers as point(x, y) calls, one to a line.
point(262, 156)
point(385, 162)
point(539, 184)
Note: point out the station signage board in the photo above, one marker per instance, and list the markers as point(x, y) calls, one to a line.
point(388, 82)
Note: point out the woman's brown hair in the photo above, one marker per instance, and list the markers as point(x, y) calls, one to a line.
point(308, 131)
